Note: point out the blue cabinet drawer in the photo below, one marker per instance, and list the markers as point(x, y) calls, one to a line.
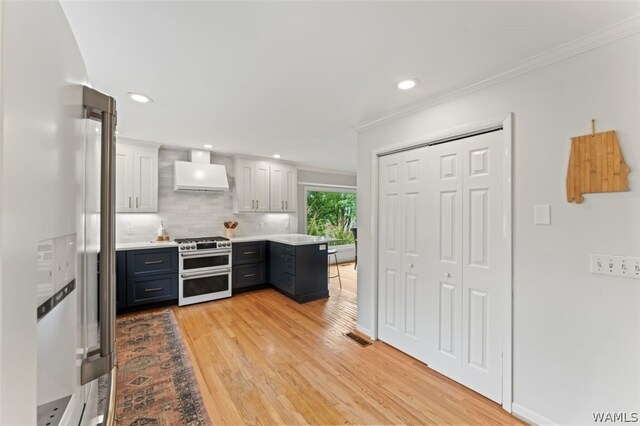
point(152, 261)
point(249, 252)
point(145, 290)
point(249, 275)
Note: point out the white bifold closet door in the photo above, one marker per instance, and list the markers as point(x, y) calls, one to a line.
point(466, 261)
point(401, 289)
point(461, 256)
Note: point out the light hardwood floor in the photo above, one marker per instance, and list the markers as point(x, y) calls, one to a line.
point(261, 358)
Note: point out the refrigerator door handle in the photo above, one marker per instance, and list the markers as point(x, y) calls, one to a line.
point(101, 107)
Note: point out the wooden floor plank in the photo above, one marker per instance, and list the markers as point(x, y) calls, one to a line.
point(261, 358)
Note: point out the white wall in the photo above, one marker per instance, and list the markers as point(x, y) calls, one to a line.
point(1, 194)
point(42, 73)
point(576, 335)
point(196, 214)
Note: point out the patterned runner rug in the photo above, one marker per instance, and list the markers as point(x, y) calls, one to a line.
point(156, 383)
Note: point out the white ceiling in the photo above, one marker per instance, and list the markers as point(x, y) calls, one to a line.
point(293, 77)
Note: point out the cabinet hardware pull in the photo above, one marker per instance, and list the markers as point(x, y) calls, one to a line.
point(153, 262)
point(249, 275)
point(253, 204)
point(149, 290)
point(282, 205)
point(257, 204)
point(129, 202)
point(137, 202)
point(286, 205)
point(249, 252)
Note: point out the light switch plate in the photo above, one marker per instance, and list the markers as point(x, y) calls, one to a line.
point(619, 266)
point(542, 214)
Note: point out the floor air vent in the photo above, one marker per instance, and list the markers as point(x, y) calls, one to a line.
point(359, 340)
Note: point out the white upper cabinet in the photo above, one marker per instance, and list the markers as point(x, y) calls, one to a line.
point(252, 185)
point(284, 180)
point(136, 178)
point(245, 176)
point(124, 178)
point(261, 189)
point(264, 187)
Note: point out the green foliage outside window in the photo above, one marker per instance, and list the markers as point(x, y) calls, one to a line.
point(331, 214)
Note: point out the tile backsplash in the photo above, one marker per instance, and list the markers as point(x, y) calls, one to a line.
point(193, 214)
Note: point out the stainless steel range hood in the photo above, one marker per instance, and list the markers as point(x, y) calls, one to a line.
point(199, 174)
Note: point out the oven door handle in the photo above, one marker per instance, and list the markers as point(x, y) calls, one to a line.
point(206, 274)
point(207, 253)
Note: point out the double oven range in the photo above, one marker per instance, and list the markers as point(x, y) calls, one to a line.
point(204, 269)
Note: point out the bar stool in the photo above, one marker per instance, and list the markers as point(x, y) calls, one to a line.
point(334, 252)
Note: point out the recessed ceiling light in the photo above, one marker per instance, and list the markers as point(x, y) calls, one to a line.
point(407, 84)
point(139, 97)
point(277, 156)
point(206, 145)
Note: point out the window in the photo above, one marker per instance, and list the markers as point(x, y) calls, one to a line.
point(331, 212)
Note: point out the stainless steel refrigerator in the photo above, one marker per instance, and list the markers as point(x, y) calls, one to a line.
point(57, 352)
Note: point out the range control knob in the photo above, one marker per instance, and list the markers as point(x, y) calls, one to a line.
point(182, 247)
point(193, 246)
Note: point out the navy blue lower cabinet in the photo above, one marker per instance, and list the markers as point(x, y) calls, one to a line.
point(146, 278)
point(146, 290)
point(299, 272)
point(249, 266)
point(121, 280)
point(152, 261)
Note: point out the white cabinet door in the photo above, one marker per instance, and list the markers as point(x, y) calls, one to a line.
point(265, 187)
point(278, 174)
point(136, 178)
point(244, 171)
point(284, 181)
point(290, 189)
point(145, 178)
point(261, 187)
point(124, 179)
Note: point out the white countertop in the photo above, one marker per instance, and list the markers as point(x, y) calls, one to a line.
point(145, 245)
point(290, 239)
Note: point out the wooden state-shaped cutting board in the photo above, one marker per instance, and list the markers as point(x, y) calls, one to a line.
point(596, 165)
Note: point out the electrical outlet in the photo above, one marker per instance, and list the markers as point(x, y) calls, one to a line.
point(619, 266)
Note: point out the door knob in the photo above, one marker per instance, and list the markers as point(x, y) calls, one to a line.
point(411, 265)
point(447, 275)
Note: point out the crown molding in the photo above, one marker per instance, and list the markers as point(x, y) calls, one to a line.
point(138, 142)
point(621, 29)
point(326, 171)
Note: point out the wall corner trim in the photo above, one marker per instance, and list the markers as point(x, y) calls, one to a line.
point(364, 331)
point(617, 31)
point(530, 416)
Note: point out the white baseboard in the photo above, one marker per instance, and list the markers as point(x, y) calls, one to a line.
point(363, 330)
point(530, 416)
